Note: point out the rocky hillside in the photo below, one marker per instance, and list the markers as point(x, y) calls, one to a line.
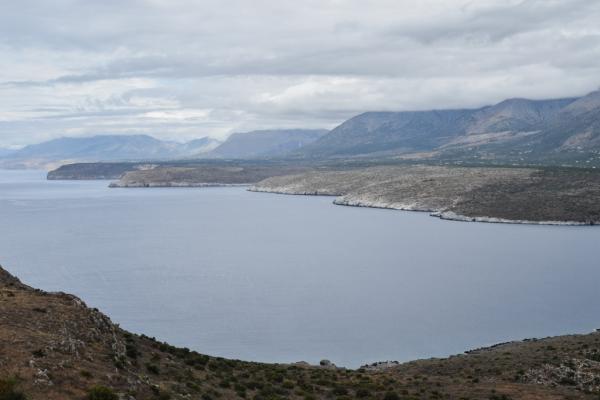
point(514, 130)
point(533, 195)
point(92, 171)
point(200, 176)
point(53, 347)
point(176, 173)
point(390, 131)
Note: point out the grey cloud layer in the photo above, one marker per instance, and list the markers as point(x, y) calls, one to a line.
point(182, 69)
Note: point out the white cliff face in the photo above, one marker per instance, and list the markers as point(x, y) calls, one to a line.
point(365, 201)
point(452, 216)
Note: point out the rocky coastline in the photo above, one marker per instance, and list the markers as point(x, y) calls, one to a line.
point(567, 197)
point(119, 184)
point(445, 215)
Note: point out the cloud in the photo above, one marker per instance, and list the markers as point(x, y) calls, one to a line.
point(181, 69)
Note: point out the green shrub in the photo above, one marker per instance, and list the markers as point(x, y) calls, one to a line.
point(391, 396)
point(225, 384)
point(102, 393)
point(8, 390)
point(85, 373)
point(131, 350)
point(340, 391)
point(120, 362)
point(287, 384)
point(38, 353)
point(499, 397)
point(594, 355)
point(153, 368)
point(164, 396)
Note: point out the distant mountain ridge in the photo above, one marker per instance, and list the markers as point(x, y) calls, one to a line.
point(276, 143)
point(512, 129)
point(105, 148)
point(266, 143)
point(515, 131)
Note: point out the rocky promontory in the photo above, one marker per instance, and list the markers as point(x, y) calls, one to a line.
point(201, 175)
point(562, 196)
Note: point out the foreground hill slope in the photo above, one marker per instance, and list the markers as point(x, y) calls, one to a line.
point(54, 347)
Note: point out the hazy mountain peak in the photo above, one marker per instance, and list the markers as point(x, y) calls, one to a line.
point(516, 114)
point(516, 125)
point(104, 148)
point(266, 143)
point(584, 104)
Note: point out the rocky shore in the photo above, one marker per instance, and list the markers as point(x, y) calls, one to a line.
point(551, 196)
point(181, 184)
point(451, 216)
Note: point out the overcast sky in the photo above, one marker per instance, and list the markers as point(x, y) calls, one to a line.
point(182, 69)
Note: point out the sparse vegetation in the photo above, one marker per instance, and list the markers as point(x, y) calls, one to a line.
point(465, 193)
point(93, 352)
point(153, 368)
point(102, 393)
point(9, 391)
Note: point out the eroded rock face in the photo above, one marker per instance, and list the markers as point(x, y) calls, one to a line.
point(582, 373)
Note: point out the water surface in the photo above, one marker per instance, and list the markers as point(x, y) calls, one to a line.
point(286, 278)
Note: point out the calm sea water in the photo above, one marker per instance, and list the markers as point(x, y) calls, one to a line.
point(288, 278)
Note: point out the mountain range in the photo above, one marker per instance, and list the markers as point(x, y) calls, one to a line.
point(249, 145)
point(103, 148)
point(266, 143)
point(513, 131)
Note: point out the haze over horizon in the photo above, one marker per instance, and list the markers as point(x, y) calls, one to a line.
point(179, 70)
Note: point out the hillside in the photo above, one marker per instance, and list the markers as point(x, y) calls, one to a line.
point(517, 195)
point(266, 143)
point(513, 131)
point(52, 346)
point(104, 148)
point(384, 131)
point(203, 175)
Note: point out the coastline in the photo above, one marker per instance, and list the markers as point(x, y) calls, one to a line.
point(344, 200)
point(118, 185)
point(451, 216)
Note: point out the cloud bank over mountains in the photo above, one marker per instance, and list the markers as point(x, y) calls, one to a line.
point(182, 69)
